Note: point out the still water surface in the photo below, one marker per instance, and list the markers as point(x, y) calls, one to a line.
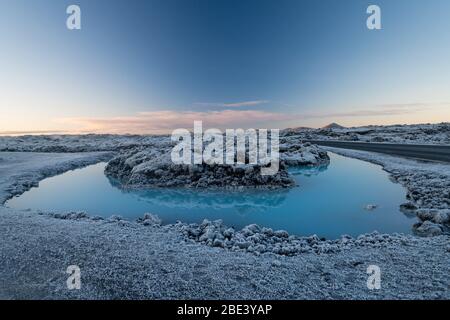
point(327, 202)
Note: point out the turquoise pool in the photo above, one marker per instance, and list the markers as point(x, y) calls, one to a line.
point(328, 202)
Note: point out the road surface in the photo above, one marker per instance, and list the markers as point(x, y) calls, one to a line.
point(424, 152)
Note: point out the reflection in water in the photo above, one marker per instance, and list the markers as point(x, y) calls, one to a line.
point(244, 200)
point(328, 201)
point(308, 171)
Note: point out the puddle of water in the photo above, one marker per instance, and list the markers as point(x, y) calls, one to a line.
point(328, 202)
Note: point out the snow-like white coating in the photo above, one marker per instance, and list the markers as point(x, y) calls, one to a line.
point(294, 153)
point(147, 260)
point(411, 134)
point(138, 168)
point(152, 167)
point(79, 143)
point(127, 260)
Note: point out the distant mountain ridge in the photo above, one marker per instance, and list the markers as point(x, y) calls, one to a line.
point(333, 125)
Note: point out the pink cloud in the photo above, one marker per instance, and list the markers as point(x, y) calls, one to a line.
point(155, 122)
point(232, 105)
point(159, 122)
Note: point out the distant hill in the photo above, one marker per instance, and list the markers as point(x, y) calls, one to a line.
point(333, 126)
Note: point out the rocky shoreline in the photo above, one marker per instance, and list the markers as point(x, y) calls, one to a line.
point(259, 240)
point(253, 238)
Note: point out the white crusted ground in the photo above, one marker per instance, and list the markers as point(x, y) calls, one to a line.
point(414, 134)
point(78, 143)
point(132, 260)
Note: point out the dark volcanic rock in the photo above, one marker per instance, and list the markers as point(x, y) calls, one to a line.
point(143, 167)
point(153, 168)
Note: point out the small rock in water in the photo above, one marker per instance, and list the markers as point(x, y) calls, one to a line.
point(371, 207)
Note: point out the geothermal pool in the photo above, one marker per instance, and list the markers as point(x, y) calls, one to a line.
point(330, 201)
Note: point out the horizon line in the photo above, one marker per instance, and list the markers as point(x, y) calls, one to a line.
point(19, 133)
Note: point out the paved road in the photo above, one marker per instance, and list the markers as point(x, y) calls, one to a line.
point(425, 152)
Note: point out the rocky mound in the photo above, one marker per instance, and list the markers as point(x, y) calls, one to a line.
point(152, 167)
point(293, 153)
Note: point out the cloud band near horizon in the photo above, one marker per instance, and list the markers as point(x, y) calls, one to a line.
point(161, 122)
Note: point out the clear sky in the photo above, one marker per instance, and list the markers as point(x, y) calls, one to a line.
point(153, 66)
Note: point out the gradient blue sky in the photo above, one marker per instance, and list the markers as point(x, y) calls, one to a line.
point(152, 66)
